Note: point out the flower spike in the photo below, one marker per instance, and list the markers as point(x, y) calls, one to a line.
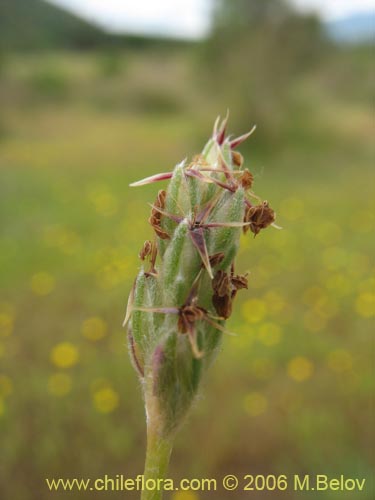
point(186, 288)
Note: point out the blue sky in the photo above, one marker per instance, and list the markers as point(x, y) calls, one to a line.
point(184, 18)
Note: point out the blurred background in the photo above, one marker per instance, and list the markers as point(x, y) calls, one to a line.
point(95, 95)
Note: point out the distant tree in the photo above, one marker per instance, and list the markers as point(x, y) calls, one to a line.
point(256, 51)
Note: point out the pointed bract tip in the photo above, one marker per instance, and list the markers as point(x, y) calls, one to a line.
point(216, 125)
point(129, 307)
point(223, 129)
point(153, 178)
point(182, 163)
point(239, 140)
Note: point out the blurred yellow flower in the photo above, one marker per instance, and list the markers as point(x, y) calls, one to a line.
point(105, 399)
point(275, 301)
point(94, 328)
point(2, 350)
point(6, 324)
point(64, 355)
point(113, 271)
point(68, 241)
point(254, 310)
point(255, 404)
point(104, 201)
point(111, 266)
point(269, 334)
point(2, 407)
point(300, 368)
point(59, 384)
point(291, 208)
point(185, 495)
point(42, 283)
point(6, 386)
point(339, 283)
point(365, 304)
point(340, 360)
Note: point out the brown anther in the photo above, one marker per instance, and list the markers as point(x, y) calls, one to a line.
point(160, 232)
point(155, 218)
point(222, 298)
point(150, 251)
point(225, 288)
point(188, 315)
point(237, 158)
point(239, 281)
point(246, 179)
point(260, 217)
point(160, 201)
point(221, 284)
point(146, 250)
point(222, 305)
point(216, 259)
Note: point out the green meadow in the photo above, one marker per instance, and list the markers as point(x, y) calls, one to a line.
point(289, 393)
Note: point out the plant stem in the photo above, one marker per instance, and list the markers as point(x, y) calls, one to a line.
point(158, 453)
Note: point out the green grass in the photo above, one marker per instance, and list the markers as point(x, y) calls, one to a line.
point(289, 394)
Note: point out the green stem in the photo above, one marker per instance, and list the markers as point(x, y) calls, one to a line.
point(158, 453)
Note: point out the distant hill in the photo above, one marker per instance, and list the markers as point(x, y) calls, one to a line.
point(357, 28)
point(36, 24)
point(32, 25)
